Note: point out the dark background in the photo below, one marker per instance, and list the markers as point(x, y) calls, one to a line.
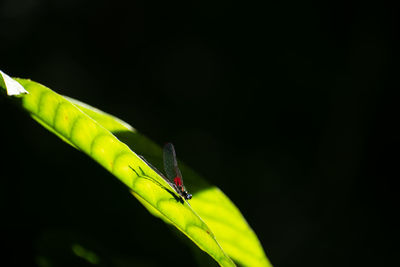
point(286, 106)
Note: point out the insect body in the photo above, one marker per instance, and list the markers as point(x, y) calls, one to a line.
point(173, 173)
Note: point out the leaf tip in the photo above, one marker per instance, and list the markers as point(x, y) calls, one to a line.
point(12, 87)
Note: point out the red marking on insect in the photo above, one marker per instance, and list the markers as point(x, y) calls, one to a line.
point(178, 181)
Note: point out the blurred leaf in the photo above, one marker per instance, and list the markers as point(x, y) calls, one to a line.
point(85, 254)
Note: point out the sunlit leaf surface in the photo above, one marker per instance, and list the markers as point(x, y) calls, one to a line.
point(71, 124)
point(211, 216)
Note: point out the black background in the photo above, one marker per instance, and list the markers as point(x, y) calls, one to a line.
point(286, 106)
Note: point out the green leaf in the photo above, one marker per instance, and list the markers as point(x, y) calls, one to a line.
point(94, 133)
point(75, 127)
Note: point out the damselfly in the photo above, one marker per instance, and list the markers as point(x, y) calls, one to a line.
point(174, 176)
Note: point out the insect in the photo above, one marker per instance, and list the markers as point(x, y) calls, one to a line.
point(172, 171)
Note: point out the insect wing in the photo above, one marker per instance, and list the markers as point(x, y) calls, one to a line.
point(170, 163)
point(157, 171)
